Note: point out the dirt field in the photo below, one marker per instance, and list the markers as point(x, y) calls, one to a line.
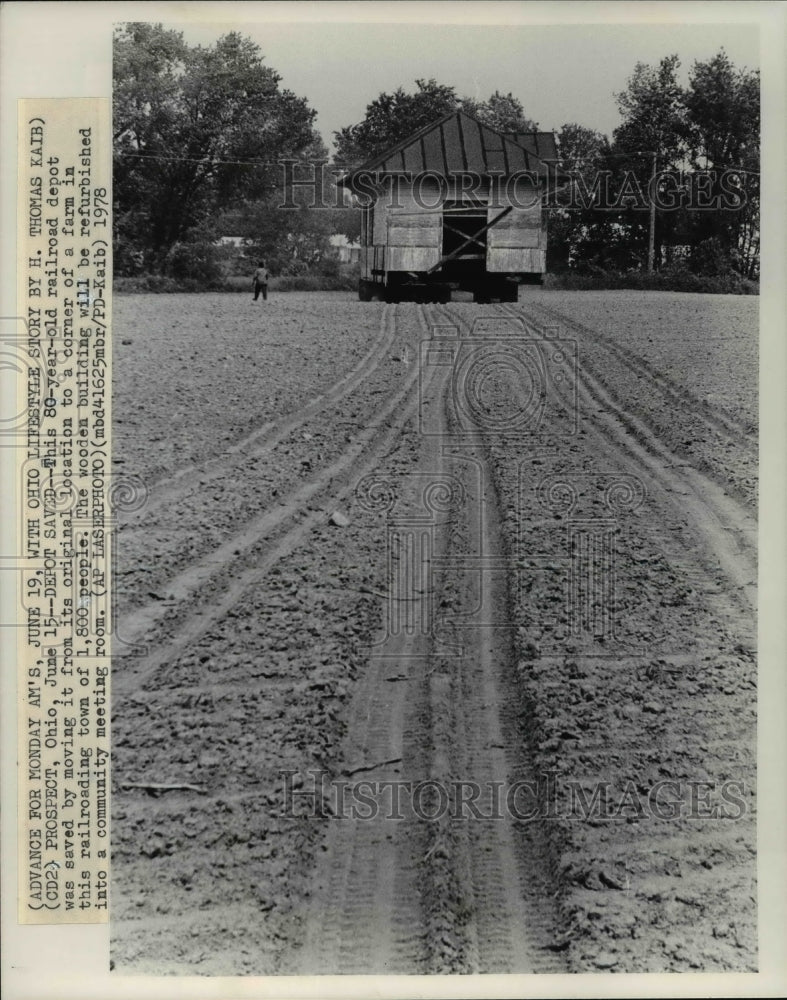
point(511, 581)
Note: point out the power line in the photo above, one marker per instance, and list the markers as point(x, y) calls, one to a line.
point(651, 152)
point(322, 160)
point(191, 159)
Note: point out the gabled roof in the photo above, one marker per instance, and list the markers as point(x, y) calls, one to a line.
point(459, 143)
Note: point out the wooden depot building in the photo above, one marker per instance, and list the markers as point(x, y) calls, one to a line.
point(456, 205)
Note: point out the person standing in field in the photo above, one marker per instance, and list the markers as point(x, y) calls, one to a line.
point(260, 282)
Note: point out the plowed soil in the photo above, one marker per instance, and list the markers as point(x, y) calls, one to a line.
point(474, 568)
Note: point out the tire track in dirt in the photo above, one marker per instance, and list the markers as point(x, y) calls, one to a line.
point(412, 895)
point(724, 424)
point(452, 893)
point(465, 895)
point(366, 913)
point(509, 923)
point(166, 493)
point(725, 526)
point(208, 589)
point(706, 539)
point(199, 513)
point(696, 607)
point(510, 872)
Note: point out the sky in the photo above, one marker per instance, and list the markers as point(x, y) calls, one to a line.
point(560, 73)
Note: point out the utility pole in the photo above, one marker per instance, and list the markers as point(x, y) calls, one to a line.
point(652, 227)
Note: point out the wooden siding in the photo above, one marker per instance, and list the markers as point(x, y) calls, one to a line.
point(518, 260)
point(402, 236)
point(516, 243)
point(520, 228)
point(412, 235)
point(412, 258)
point(420, 229)
point(379, 228)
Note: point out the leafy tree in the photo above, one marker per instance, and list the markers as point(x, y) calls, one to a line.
point(390, 118)
point(298, 239)
point(654, 113)
point(654, 121)
point(187, 120)
point(711, 125)
point(577, 232)
point(723, 108)
point(147, 62)
point(502, 112)
point(581, 149)
point(346, 221)
point(290, 242)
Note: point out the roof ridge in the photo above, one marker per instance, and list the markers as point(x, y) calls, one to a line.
point(505, 137)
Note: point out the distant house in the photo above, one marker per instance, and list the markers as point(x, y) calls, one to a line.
point(231, 241)
point(347, 252)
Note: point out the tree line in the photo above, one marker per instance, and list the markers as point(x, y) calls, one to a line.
point(200, 133)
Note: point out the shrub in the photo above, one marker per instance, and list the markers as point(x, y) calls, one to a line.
point(199, 264)
point(146, 283)
point(710, 258)
point(314, 283)
point(345, 280)
point(667, 280)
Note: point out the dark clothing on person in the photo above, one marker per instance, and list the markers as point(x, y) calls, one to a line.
point(261, 277)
